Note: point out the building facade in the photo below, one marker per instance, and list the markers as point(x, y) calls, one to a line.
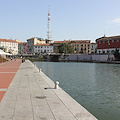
point(10, 46)
point(43, 48)
point(79, 46)
point(93, 48)
point(56, 45)
point(33, 41)
point(107, 45)
point(22, 48)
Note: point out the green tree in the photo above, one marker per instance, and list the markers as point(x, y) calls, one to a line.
point(117, 54)
point(65, 48)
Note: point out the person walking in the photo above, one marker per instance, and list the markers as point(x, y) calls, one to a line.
point(15, 58)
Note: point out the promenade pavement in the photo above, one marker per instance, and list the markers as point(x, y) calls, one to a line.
point(31, 96)
point(7, 73)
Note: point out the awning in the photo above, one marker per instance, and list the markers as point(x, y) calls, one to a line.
point(4, 53)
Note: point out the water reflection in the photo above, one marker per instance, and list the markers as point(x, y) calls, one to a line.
point(95, 86)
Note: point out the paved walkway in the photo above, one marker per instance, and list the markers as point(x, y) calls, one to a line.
point(7, 73)
point(27, 99)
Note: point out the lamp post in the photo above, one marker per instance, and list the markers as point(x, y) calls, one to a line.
point(108, 51)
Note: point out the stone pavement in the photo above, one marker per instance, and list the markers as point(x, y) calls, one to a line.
point(31, 96)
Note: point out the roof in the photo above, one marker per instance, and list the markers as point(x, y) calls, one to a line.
point(73, 41)
point(106, 38)
point(61, 41)
point(39, 38)
point(80, 41)
point(20, 43)
point(36, 37)
point(42, 45)
point(7, 40)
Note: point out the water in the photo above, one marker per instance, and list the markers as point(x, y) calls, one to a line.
point(94, 86)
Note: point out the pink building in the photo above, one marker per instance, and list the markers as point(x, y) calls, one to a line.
point(22, 48)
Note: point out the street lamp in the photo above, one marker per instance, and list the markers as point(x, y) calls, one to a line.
point(108, 51)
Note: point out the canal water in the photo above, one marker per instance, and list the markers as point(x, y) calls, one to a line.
point(94, 86)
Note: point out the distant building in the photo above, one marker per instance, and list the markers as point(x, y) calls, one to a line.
point(22, 48)
point(56, 45)
point(10, 46)
point(79, 46)
point(93, 48)
point(108, 44)
point(43, 48)
point(33, 41)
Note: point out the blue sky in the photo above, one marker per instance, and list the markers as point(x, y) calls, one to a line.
point(70, 19)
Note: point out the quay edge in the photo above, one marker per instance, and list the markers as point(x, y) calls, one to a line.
point(77, 110)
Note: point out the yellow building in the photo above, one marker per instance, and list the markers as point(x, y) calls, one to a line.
point(79, 46)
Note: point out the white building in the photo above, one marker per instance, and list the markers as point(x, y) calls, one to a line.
point(10, 46)
point(43, 48)
point(93, 48)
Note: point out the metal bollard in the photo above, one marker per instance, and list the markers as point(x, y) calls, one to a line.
point(56, 85)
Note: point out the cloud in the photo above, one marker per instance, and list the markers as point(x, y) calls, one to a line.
point(117, 20)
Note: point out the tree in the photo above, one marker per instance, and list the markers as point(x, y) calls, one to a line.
point(65, 48)
point(117, 54)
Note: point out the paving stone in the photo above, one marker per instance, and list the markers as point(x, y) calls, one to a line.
point(31, 96)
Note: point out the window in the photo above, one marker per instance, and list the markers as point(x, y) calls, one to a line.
point(112, 41)
point(108, 41)
point(117, 40)
point(103, 42)
point(99, 42)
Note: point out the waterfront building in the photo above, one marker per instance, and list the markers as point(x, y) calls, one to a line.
point(10, 46)
point(93, 47)
point(107, 45)
point(79, 46)
point(56, 45)
point(22, 48)
point(43, 48)
point(33, 41)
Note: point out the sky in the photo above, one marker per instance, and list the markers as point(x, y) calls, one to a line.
point(70, 19)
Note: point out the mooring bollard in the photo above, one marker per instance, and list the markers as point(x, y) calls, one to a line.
point(40, 70)
point(56, 85)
